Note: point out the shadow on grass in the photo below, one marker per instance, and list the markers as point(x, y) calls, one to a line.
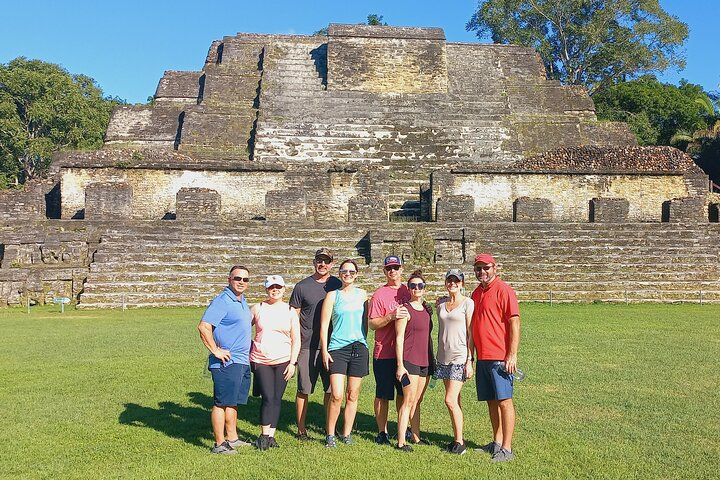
point(188, 423)
point(192, 423)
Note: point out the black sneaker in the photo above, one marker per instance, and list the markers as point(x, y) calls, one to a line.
point(303, 437)
point(382, 438)
point(404, 448)
point(262, 442)
point(450, 446)
point(346, 439)
point(421, 441)
point(223, 449)
point(492, 448)
point(272, 443)
point(458, 449)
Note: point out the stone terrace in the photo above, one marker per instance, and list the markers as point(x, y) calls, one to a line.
point(186, 265)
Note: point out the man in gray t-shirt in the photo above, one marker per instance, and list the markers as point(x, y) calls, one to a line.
point(307, 298)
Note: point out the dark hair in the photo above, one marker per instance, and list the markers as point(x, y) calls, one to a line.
point(418, 274)
point(349, 260)
point(238, 267)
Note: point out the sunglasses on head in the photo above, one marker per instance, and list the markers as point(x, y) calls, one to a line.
point(346, 271)
point(241, 279)
point(416, 286)
point(392, 267)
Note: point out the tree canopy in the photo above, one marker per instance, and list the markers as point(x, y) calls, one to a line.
point(594, 43)
point(43, 108)
point(656, 112)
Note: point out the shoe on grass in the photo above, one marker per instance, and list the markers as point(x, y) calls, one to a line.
point(330, 441)
point(303, 437)
point(421, 441)
point(404, 448)
point(272, 443)
point(449, 446)
point(502, 455)
point(382, 438)
point(262, 442)
point(492, 448)
point(237, 443)
point(223, 449)
point(346, 439)
point(458, 449)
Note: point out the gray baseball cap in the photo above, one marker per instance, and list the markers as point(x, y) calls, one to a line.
point(455, 272)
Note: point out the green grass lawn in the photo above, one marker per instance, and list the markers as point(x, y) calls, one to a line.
point(612, 391)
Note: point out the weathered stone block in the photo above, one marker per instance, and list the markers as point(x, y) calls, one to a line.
point(455, 208)
point(363, 208)
point(526, 209)
point(285, 205)
point(609, 210)
point(108, 200)
point(197, 204)
point(685, 210)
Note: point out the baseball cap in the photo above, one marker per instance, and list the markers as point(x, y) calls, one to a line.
point(485, 258)
point(455, 272)
point(324, 252)
point(392, 260)
point(274, 280)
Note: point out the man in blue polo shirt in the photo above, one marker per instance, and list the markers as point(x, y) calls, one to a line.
point(225, 329)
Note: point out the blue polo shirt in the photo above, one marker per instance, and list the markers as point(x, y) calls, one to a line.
point(233, 327)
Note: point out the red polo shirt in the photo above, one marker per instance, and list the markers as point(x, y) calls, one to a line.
point(494, 306)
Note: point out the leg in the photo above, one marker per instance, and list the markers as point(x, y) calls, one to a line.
point(381, 413)
point(494, 411)
point(231, 423)
point(279, 385)
point(265, 380)
point(337, 382)
point(507, 422)
point(301, 401)
point(415, 414)
point(407, 407)
point(452, 402)
point(217, 418)
point(351, 401)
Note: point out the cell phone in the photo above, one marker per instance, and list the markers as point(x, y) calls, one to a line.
point(405, 380)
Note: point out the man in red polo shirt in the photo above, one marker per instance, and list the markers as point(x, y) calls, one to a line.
point(496, 337)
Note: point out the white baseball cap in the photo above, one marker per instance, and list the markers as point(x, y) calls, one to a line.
point(274, 280)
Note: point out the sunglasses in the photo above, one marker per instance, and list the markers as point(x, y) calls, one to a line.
point(392, 267)
point(416, 286)
point(323, 261)
point(241, 279)
point(486, 268)
point(345, 271)
point(275, 287)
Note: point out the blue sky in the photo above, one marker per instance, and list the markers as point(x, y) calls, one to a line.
point(126, 46)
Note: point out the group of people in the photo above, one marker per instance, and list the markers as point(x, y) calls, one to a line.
point(322, 332)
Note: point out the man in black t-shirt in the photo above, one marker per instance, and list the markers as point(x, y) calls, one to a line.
point(307, 298)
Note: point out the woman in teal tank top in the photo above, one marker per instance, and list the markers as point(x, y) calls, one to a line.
point(345, 353)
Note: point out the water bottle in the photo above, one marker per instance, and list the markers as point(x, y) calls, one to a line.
point(432, 382)
point(519, 375)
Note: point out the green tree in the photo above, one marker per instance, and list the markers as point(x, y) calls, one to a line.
point(656, 112)
point(594, 43)
point(43, 109)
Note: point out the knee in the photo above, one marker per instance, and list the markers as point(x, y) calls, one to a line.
point(506, 405)
point(352, 395)
point(451, 402)
point(336, 397)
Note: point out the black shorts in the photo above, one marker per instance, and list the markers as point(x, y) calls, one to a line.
point(350, 360)
point(386, 384)
point(417, 369)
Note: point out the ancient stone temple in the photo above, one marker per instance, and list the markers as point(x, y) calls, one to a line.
point(370, 140)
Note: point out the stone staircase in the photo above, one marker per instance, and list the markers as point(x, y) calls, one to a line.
point(183, 265)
